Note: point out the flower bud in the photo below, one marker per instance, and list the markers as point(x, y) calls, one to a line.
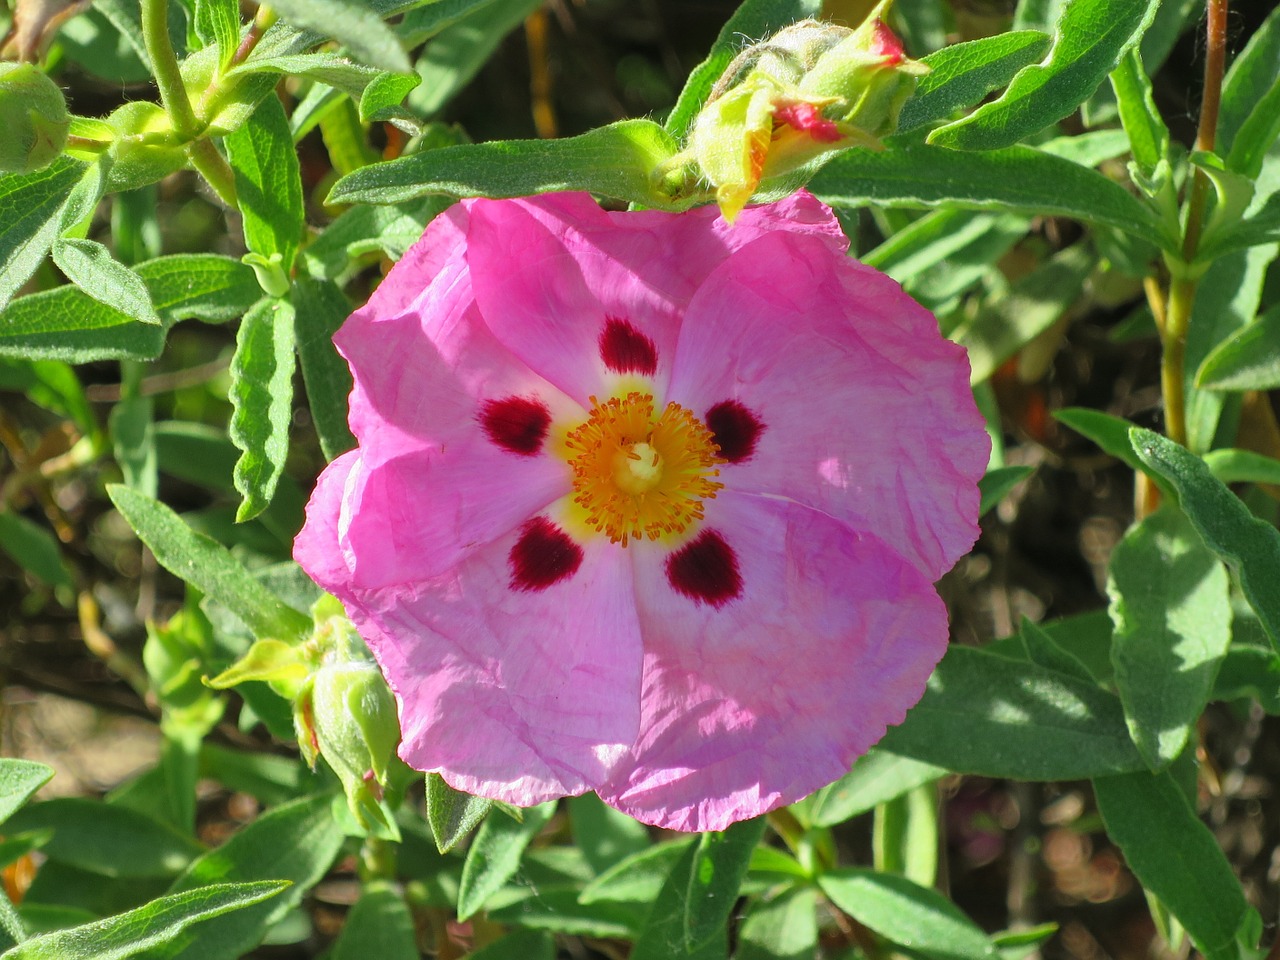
point(33, 114)
point(788, 103)
point(354, 727)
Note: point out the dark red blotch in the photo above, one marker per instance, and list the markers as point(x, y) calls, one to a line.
point(735, 430)
point(705, 570)
point(516, 424)
point(543, 554)
point(625, 349)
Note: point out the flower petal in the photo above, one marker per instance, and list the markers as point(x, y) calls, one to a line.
point(865, 411)
point(756, 702)
point(517, 694)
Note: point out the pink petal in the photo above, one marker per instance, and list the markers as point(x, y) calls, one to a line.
point(432, 485)
point(550, 271)
point(518, 695)
point(755, 703)
point(867, 412)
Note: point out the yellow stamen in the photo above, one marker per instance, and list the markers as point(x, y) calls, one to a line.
point(636, 475)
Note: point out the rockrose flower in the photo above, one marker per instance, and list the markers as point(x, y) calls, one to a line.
point(646, 504)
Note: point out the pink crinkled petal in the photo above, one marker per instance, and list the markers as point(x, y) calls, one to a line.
point(408, 280)
point(550, 272)
point(517, 695)
point(867, 412)
point(432, 485)
point(758, 702)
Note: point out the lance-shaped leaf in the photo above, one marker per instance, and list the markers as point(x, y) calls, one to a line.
point(452, 814)
point(754, 19)
point(1172, 611)
point(378, 926)
point(353, 24)
point(877, 777)
point(217, 22)
point(268, 186)
point(207, 565)
point(784, 928)
point(1175, 856)
point(19, 779)
point(34, 548)
point(690, 914)
point(906, 913)
point(962, 74)
point(616, 161)
point(994, 716)
point(1248, 360)
point(1090, 38)
point(147, 927)
point(1016, 178)
point(495, 855)
point(1247, 96)
point(320, 309)
point(1148, 135)
point(1248, 545)
point(90, 266)
point(262, 398)
point(31, 205)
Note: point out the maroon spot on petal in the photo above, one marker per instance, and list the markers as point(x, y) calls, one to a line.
point(705, 570)
point(516, 424)
point(625, 349)
point(543, 554)
point(735, 430)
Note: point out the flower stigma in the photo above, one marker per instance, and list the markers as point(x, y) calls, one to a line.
point(639, 475)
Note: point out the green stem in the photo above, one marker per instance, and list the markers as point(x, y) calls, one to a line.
point(173, 93)
point(1182, 288)
point(214, 168)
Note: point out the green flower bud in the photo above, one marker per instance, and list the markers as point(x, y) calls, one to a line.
point(145, 148)
point(354, 726)
point(33, 114)
point(788, 103)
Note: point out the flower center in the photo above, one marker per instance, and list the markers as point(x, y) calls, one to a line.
point(636, 475)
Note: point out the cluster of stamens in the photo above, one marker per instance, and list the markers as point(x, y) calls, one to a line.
point(638, 476)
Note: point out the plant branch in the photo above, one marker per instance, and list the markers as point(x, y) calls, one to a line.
point(214, 168)
point(173, 92)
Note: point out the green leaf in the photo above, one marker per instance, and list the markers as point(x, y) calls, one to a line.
point(262, 400)
point(323, 66)
point(90, 266)
point(385, 230)
point(353, 24)
point(107, 840)
point(690, 914)
point(31, 205)
point(455, 56)
point(1090, 38)
point(755, 20)
point(208, 566)
point(268, 183)
point(604, 835)
point(1246, 88)
point(52, 385)
point(319, 310)
point(452, 814)
point(494, 856)
point(1172, 610)
point(296, 842)
point(1007, 323)
point(1041, 648)
point(218, 22)
point(877, 777)
point(908, 914)
point(381, 98)
point(616, 161)
point(1110, 433)
point(133, 440)
point(638, 878)
point(992, 716)
point(1249, 672)
point(199, 286)
point(557, 908)
point(67, 324)
point(995, 484)
point(784, 928)
point(19, 779)
point(963, 73)
point(1175, 856)
point(379, 925)
point(1014, 179)
point(1249, 546)
point(1242, 466)
point(1227, 300)
point(1247, 360)
point(34, 549)
point(153, 925)
point(1148, 135)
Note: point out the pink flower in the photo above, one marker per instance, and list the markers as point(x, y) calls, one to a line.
point(647, 504)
